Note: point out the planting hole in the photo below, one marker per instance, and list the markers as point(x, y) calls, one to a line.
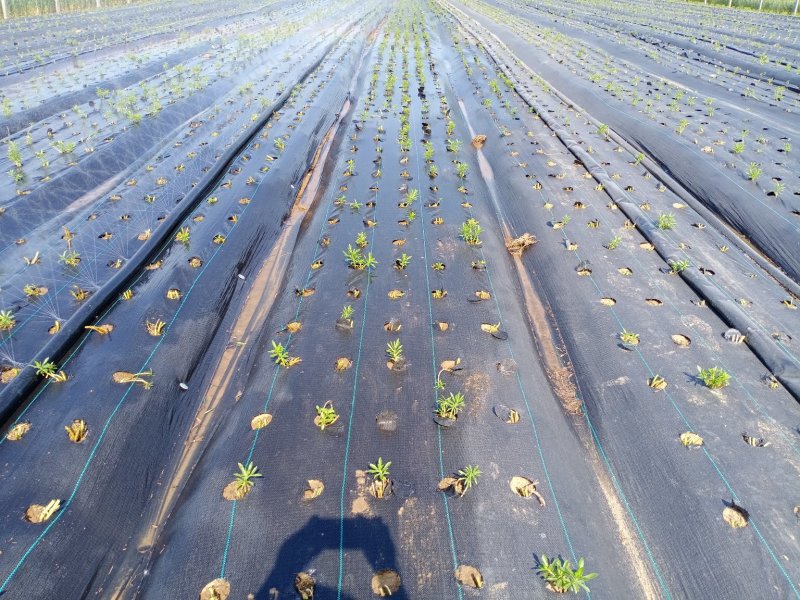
point(219, 589)
point(735, 516)
point(392, 325)
point(522, 486)
point(681, 340)
point(469, 576)
point(507, 366)
point(506, 414)
point(304, 585)
point(260, 421)
point(18, 431)
point(385, 583)
point(314, 490)
point(386, 421)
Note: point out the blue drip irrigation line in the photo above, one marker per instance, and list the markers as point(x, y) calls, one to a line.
point(708, 456)
point(530, 414)
point(117, 407)
point(350, 423)
point(628, 508)
point(20, 326)
point(40, 307)
point(705, 451)
point(719, 171)
point(448, 519)
point(119, 404)
point(757, 405)
point(268, 398)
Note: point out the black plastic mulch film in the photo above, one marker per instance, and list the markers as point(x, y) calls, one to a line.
point(144, 503)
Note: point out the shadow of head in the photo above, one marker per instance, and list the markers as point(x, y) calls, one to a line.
point(309, 550)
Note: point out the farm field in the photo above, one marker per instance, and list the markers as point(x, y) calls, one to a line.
point(423, 299)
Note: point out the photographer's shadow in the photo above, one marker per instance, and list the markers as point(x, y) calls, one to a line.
point(297, 553)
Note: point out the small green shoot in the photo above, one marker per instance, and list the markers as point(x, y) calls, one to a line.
point(347, 312)
point(468, 476)
point(561, 577)
point(244, 478)
point(666, 221)
point(7, 320)
point(471, 231)
point(713, 378)
point(394, 350)
point(380, 475)
point(448, 407)
point(754, 171)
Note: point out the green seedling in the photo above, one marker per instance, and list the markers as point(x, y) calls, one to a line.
point(468, 476)
point(713, 378)
point(433, 171)
point(461, 169)
point(70, 258)
point(49, 370)
point(428, 155)
point(394, 350)
point(326, 415)
point(754, 171)
point(380, 476)
point(279, 144)
point(361, 240)
point(678, 266)
point(629, 338)
point(7, 320)
point(448, 407)
point(347, 312)
point(402, 262)
point(45, 368)
point(666, 221)
point(561, 577)
point(183, 236)
point(244, 478)
point(281, 355)
point(14, 155)
point(471, 231)
point(64, 147)
point(454, 145)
